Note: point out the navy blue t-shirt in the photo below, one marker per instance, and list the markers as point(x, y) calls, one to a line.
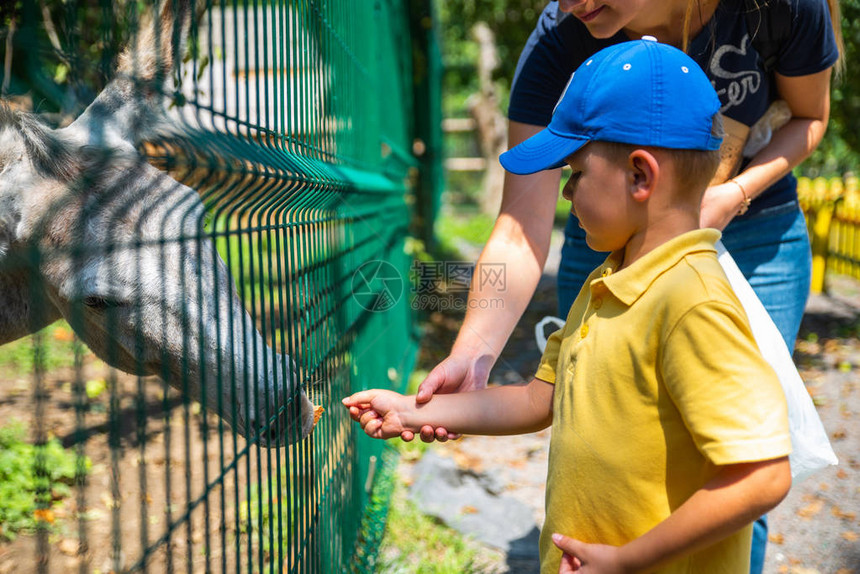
point(560, 43)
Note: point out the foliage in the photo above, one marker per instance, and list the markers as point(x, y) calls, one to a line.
point(33, 479)
point(838, 152)
point(511, 21)
point(56, 346)
point(259, 512)
point(460, 231)
point(60, 58)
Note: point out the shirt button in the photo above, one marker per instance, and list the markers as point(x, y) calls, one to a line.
point(597, 303)
point(583, 331)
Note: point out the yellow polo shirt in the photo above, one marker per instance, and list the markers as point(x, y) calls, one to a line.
point(657, 381)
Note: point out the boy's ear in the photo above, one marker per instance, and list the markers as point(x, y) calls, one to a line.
point(644, 173)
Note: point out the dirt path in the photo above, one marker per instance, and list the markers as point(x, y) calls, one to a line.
point(160, 471)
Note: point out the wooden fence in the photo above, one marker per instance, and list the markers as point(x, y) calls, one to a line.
point(832, 209)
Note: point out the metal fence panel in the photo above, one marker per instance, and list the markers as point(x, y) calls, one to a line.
point(214, 201)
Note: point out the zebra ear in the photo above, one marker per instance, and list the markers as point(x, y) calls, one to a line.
point(49, 154)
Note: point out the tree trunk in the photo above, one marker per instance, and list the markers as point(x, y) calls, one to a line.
point(489, 120)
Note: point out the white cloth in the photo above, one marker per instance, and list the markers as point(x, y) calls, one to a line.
point(811, 450)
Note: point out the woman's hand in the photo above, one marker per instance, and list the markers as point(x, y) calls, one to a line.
point(457, 373)
point(520, 241)
point(720, 204)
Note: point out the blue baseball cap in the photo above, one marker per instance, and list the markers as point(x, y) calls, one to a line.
point(640, 92)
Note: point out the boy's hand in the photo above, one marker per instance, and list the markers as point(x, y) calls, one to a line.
point(379, 412)
point(587, 558)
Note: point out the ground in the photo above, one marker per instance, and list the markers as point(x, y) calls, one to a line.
point(164, 452)
point(815, 530)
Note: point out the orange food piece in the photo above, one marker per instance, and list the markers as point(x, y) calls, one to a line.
point(318, 411)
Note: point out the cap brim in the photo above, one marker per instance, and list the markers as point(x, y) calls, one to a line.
point(544, 150)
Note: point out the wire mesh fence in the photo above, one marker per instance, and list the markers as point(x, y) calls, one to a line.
point(206, 216)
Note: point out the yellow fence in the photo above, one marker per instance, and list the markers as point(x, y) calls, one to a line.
point(832, 209)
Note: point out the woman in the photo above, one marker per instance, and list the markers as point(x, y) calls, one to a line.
point(757, 209)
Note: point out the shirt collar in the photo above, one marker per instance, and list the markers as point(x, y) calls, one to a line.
point(629, 284)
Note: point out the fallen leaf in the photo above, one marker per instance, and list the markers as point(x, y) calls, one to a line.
point(850, 536)
point(845, 571)
point(469, 461)
point(811, 509)
point(63, 335)
point(841, 473)
point(824, 486)
point(69, 546)
point(44, 515)
point(839, 513)
point(468, 509)
point(95, 387)
point(109, 501)
point(839, 434)
point(776, 538)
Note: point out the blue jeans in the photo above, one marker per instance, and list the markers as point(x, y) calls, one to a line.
point(772, 250)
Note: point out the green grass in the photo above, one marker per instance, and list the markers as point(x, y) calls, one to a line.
point(562, 211)
point(454, 229)
point(414, 542)
point(57, 350)
point(464, 221)
point(33, 480)
point(418, 544)
point(474, 228)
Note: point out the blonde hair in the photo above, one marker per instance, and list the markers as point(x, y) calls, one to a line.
point(836, 19)
point(694, 169)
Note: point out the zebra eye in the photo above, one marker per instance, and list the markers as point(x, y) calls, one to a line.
point(99, 302)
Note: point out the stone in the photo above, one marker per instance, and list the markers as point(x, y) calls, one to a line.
point(461, 500)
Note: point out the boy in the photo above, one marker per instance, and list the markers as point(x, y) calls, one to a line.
point(670, 433)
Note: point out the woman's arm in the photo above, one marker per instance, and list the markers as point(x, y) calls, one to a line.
point(512, 409)
point(519, 242)
point(736, 496)
point(809, 100)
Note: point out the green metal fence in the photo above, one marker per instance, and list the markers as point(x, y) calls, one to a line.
point(206, 215)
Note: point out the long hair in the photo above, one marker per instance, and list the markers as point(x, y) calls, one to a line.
point(835, 18)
